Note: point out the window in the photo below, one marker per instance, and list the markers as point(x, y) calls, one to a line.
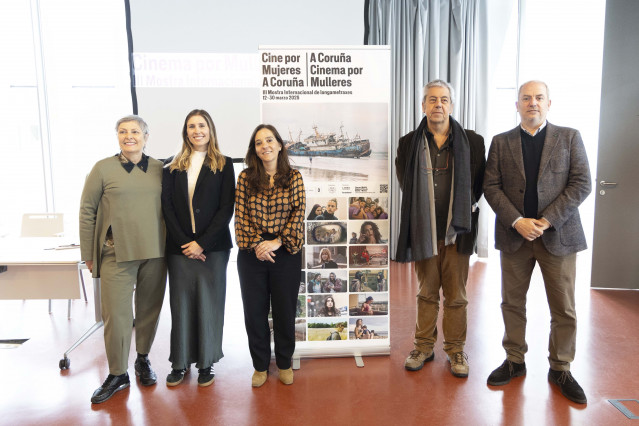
point(64, 84)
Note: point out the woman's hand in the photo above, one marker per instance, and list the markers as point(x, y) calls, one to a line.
point(89, 264)
point(193, 250)
point(266, 249)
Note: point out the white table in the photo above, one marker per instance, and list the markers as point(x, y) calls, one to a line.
point(45, 268)
point(37, 268)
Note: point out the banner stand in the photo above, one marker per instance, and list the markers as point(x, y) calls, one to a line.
point(331, 105)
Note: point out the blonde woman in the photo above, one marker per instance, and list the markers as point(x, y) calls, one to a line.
point(198, 190)
point(325, 259)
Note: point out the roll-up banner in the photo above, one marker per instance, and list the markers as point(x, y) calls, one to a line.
point(331, 104)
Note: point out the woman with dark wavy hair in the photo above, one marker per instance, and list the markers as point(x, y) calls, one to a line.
point(269, 229)
point(369, 233)
point(198, 189)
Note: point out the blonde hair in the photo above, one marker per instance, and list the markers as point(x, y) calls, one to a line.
point(214, 158)
point(328, 253)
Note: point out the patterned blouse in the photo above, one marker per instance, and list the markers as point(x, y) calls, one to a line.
point(276, 211)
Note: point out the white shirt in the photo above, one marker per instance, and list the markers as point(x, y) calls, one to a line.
point(197, 159)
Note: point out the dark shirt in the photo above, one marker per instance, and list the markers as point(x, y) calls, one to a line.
point(326, 216)
point(531, 147)
point(329, 265)
point(441, 161)
point(143, 164)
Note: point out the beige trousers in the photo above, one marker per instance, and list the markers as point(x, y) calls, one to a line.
point(117, 283)
point(559, 279)
point(447, 271)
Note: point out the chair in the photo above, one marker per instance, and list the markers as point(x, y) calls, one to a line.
point(42, 225)
point(49, 225)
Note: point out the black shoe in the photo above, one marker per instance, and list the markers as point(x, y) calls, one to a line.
point(206, 376)
point(175, 377)
point(502, 374)
point(111, 385)
point(567, 385)
point(144, 371)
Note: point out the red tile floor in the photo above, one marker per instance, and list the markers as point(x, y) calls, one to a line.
point(334, 391)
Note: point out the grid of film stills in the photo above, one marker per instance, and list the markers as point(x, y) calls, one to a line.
point(344, 292)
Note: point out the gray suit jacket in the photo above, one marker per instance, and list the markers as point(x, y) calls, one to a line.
point(563, 184)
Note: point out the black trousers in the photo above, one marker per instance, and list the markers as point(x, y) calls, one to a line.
point(267, 284)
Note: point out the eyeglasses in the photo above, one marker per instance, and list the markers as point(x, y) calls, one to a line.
point(434, 169)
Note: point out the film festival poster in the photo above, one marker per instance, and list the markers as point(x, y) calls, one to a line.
point(331, 107)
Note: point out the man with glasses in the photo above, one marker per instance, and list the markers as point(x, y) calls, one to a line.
point(537, 176)
point(440, 168)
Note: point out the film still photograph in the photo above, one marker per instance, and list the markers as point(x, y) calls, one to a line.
point(367, 304)
point(334, 141)
point(326, 233)
point(300, 311)
point(327, 281)
point(326, 208)
point(328, 305)
point(327, 329)
point(362, 256)
point(327, 257)
point(368, 231)
point(368, 328)
point(368, 280)
point(368, 208)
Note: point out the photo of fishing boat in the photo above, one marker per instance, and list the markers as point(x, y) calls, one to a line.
point(328, 145)
point(334, 142)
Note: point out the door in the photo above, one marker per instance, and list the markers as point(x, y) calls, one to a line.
point(615, 254)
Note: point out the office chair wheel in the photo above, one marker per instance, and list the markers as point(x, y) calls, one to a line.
point(64, 363)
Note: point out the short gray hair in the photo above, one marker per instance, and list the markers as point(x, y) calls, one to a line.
point(537, 82)
point(440, 83)
point(137, 119)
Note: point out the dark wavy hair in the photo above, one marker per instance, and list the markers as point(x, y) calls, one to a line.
point(376, 233)
point(256, 176)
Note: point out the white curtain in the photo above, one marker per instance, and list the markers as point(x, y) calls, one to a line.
point(435, 39)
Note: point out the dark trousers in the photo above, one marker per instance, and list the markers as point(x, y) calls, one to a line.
point(275, 284)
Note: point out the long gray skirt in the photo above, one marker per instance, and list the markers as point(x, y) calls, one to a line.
point(198, 293)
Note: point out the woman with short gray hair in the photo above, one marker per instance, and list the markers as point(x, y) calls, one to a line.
point(122, 241)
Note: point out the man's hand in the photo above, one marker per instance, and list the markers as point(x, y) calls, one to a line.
point(531, 229)
point(543, 223)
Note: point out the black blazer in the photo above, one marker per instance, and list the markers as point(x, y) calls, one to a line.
point(213, 204)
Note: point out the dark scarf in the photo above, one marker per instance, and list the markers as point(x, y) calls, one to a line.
point(410, 247)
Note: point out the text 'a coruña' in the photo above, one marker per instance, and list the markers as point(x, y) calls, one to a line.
point(276, 82)
point(322, 57)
